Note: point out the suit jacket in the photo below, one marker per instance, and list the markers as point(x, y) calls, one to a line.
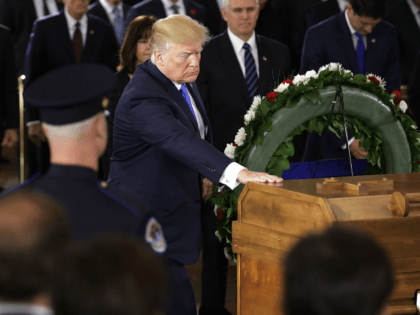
point(160, 157)
point(408, 32)
point(50, 47)
point(19, 16)
point(155, 7)
point(214, 20)
point(321, 11)
point(98, 10)
point(414, 91)
point(223, 87)
point(331, 41)
point(9, 99)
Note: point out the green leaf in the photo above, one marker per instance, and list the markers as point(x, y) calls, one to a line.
point(285, 150)
point(276, 166)
point(312, 124)
point(292, 101)
point(267, 125)
point(313, 96)
point(264, 108)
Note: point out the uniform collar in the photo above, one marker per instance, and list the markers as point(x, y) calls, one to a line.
point(72, 171)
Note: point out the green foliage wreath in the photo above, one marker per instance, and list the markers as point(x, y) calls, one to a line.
point(259, 122)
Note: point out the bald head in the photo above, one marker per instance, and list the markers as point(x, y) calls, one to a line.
point(33, 231)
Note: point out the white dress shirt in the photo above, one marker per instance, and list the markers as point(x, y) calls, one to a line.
point(39, 7)
point(167, 5)
point(109, 8)
point(353, 33)
point(230, 174)
point(416, 11)
point(238, 44)
point(71, 25)
point(342, 4)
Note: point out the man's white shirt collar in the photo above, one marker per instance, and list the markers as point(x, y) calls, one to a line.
point(353, 33)
point(71, 24)
point(352, 30)
point(342, 4)
point(239, 43)
point(167, 5)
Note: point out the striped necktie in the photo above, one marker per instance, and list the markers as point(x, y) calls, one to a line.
point(360, 53)
point(185, 95)
point(118, 26)
point(251, 76)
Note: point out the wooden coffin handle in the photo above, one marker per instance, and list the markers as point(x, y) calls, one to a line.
point(400, 204)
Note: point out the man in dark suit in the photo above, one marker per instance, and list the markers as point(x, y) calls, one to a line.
point(214, 19)
point(34, 232)
point(72, 113)
point(19, 16)
point(405, 16)
point(323, 11)
point(9, 102)
point(69, 37)
point(414, 91)
point(164, 8)
point(222, 83)
point(363, 43)
point(113, 12)
point(162, 146)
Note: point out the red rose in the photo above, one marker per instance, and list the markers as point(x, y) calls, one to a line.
point(288, 81)
point(418, 161)
point(374, 79)
point(219, 214)
point(398, 96)
point(272, 96)
point(397, 104)
point(192, 12)
point(235, 145)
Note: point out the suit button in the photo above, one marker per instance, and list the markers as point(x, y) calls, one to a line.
point(197, 202)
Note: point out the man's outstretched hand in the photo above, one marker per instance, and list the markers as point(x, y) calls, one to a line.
point(207, 189)
point(358, 152)
point(246, 176)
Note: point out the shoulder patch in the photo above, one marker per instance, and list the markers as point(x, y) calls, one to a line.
point(154, 236)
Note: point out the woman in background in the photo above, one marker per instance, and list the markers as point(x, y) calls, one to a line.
point(134, 50)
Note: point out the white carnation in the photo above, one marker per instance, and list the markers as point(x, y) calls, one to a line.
point(240, 136)
point(282, 87)
point(250, 115)
point(230, 151)
point(334, 66)
point(403, 106)
point(347, 71)
point(300, 79)
point(311, 74)
point(414, 126)
point(256, 102)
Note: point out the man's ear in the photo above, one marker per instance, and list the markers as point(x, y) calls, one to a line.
point(44, 130)
point(224, 14)
point(157, 57)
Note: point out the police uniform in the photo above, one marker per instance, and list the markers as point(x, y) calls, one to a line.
point(72, 94)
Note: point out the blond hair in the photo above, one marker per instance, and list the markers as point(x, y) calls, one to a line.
point(177, 29)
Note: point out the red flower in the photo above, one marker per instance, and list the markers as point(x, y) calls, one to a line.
point(192, 12)
point(219, 214)
point(234, 144)
point(244, 124)
point(272, 96)
point(288, 81)
point(397, 104)
point(374, 79)
point(418, 161)
point(398, 96)
point(220, 193)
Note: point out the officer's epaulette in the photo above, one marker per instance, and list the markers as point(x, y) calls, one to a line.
point(19, 186)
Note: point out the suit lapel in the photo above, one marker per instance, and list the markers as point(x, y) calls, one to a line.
point(60, 5)
point(90, 39)
point(192, 88)
point(264, 61)
point(63, 28)
point(347, 43)
point(173, 92)
point(103, 14)
point(126, 7)
point(228, 56)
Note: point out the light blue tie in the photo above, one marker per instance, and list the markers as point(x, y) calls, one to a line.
point(184, 93)
point(360, 53)
point(118, 25)
point(251, 76)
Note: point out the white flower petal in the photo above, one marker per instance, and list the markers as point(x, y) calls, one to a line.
point(403, 106)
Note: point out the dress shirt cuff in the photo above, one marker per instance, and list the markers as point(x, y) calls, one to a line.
point(230, 175)
point(344, 146)
point(30, 123)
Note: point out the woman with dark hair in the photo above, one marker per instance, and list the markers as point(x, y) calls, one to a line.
point(134, 50)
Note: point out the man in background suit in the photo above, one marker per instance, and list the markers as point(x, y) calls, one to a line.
point(414, 91)
point(34, 232)
point(9, 101)
point(222, 83)
point(323, 11)
point(19, 16)
point(363, 43)
point(164, 8)
point(162, 147)
point(72, 36)
point(214, 18)
point(405, 16)
point(113, 12)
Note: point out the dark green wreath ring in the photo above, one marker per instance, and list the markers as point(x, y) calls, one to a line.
point(374, 117)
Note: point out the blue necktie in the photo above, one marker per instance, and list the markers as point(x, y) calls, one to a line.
point(118, 25)
point(251, 76)
point(184, 93)
point(360, 53)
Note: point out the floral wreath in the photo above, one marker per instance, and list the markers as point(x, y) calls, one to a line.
point(257, 122)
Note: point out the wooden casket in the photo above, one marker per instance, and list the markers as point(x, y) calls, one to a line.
point(272, 219)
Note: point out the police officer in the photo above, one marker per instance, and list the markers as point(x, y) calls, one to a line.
point(72, 107)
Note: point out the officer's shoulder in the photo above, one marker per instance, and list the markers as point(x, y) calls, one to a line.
point(25, 184)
